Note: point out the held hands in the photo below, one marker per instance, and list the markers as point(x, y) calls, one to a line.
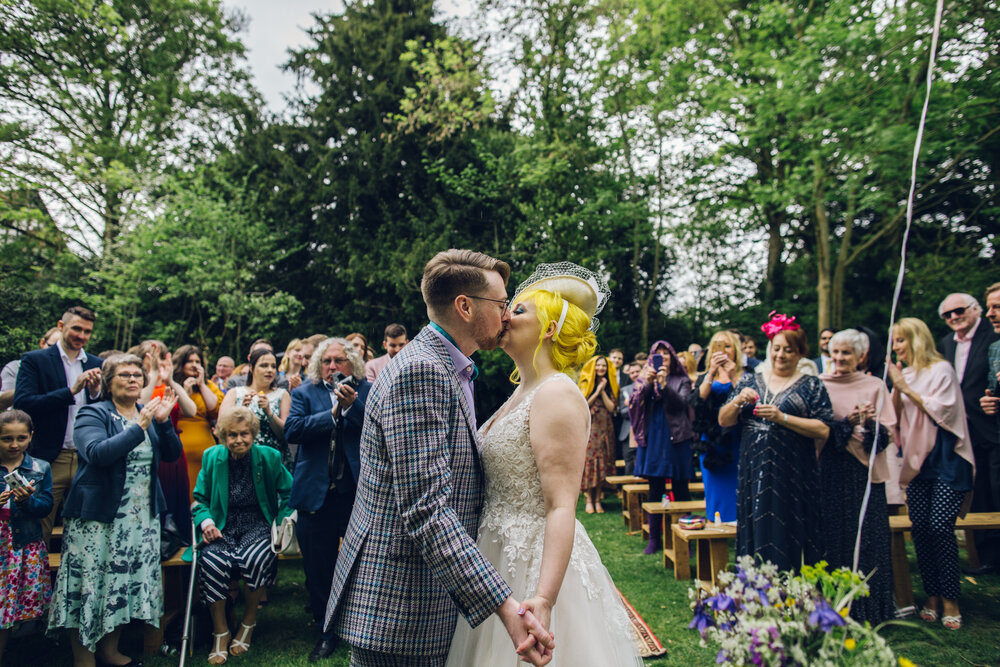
point(990, 403)
point(541, 607)
point(211, 533)
point(532, 641)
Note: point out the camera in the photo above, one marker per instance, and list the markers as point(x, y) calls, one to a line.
point(349, 380)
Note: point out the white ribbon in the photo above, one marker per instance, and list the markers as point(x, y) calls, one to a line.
point(562, 316)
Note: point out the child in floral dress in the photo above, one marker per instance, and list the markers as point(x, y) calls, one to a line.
point(24, 562)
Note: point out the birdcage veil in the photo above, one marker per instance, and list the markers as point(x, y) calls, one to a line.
point(575, 284)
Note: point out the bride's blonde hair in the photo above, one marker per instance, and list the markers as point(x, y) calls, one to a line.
point(574, 343)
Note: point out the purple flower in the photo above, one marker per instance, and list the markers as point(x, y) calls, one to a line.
point(722, 602)
point(702, 621)
point(825, 617)
point(763, 597)
point(720, 657)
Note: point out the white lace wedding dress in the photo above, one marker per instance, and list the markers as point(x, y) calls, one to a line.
point(589, 621)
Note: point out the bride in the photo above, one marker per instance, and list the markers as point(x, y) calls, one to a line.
point(533, 453)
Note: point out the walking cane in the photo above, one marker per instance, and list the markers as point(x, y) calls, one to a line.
point(194, 571)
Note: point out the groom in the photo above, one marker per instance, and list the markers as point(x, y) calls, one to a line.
point(409, 562)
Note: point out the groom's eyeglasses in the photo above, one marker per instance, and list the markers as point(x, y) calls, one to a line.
point(505, 303)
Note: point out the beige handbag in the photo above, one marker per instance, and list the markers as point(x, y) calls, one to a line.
point(283, 540)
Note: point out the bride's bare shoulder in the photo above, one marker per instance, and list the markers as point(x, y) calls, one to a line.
point(560, 399)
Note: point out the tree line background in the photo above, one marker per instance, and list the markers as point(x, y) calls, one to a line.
point(714, 160)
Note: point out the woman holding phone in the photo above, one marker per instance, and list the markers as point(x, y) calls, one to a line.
point(661, 421)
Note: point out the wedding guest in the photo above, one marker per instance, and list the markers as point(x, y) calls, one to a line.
point(52, 385)
point(967, 349)
point(224, 367)
point(8, 376)
point(617, 358)
point(239, 376)
point(661, 421)
point(359, 342)
point(24, 561)
point(626, 439)
point(823, 360)
point(601, 391)
point(987, 492)
point(784, 415)
point(750, 352)
point(718, 449)
point(266, 401)
point(843, 472)
point(196, 431)
point(938, 465)
point(690, 364)
point(110, 569)
point(242, 489)
point(393, 341)
point(292, 367)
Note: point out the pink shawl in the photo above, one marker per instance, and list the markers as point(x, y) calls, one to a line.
point(847, 391)
point(942, 396)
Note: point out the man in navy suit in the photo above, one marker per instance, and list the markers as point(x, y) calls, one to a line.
point(52, 384)
point(967, 348)
point(325, 421)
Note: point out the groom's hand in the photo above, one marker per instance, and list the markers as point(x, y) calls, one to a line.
point(532, 641)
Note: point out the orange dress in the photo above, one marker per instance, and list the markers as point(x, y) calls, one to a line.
point(196, 433)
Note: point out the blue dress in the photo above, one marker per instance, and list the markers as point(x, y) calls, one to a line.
point(722, 451)
point(661, 457)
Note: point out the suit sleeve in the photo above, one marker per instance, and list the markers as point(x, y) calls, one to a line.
point(28, 394)
point(303, 426)
point(416, 431)
point(94, 445)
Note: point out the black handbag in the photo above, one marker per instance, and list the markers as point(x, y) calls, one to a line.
point(171, 538)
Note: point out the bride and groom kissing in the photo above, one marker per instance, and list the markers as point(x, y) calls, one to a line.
point(456, 520)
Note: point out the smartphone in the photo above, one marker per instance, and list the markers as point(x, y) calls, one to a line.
point(657, 360)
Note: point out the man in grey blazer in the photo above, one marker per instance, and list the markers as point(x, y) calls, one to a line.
point(409, 562)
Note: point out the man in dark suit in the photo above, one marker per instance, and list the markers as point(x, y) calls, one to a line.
point(52, 384)
point(325, 422)
point(967, 348)
point(823, 363)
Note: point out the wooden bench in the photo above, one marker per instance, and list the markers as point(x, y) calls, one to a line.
point(655, 511)
point(633, 497)
point(712, 556)
point(901, 524)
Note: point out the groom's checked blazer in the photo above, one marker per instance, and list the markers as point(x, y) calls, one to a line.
point(409, 562)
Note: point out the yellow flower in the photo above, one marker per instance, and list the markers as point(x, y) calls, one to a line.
point(850, 644)
point(903, 662)
point(844, 612)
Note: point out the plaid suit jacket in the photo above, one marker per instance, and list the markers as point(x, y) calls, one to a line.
point(409, 562)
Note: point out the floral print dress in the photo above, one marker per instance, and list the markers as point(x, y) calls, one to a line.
point(110, 572)
point(24, 577)
point(266, 436)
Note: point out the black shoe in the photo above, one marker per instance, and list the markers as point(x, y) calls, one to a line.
point(982, 569)
point(324, 649)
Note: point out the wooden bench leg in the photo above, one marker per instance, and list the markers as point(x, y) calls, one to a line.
point(901, 572)
point(703, 547)
point(718, 558)
point(970, 547)
point(682, 559)
point(668, 542)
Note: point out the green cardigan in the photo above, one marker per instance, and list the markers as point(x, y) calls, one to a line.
point(271, 482)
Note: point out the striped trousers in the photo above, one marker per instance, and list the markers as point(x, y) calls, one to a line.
point(219, 563)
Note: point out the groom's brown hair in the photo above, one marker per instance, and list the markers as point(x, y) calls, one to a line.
point(453, 272)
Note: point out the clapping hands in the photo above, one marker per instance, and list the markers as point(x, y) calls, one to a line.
point(158, 408)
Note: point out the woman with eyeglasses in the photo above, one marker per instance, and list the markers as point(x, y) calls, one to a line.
point(938, 465)
point(109, 575)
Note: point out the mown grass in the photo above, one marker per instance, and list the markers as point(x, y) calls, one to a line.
point(285, 633)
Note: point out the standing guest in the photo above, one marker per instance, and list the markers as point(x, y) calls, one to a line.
point(989, 461)
point(784, 415)
point(110, 569)
point(601, 391)
point(617, 358)
point(265, 400)
point(718, 448)
point(967, 349)
point(626, 440)
point(749, 352)
point(359, 342)
point(329, 408)
point(8, 376)
point(938, 464)
point(843, 473)
point(393, 341)
point(292, 367)
point(24, 562)
point(242, 489)
point(196, 430)
point(661, 421)
point(224, 367)
point(52, 384)
point(239, 377)
point(823, 360)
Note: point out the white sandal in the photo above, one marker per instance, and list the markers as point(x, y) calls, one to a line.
point(241, 643)
point(224, 653)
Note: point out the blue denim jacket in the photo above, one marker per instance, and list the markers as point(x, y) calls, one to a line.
point(25, 525)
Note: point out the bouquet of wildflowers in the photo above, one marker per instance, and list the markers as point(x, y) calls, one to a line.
point(760, 616)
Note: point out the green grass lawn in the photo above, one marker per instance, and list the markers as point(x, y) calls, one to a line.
point(285, 633)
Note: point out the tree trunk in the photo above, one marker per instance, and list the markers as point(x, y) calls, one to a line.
point(824, 291)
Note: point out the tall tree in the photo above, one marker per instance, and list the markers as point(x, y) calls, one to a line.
point(98, 97)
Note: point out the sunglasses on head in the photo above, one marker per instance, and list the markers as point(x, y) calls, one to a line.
point(954, 312)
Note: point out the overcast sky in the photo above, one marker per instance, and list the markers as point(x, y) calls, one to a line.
point(276, 27)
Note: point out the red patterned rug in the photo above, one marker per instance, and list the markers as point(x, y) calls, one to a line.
point(649, 645)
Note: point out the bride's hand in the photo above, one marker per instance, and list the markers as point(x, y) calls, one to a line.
point(541, 608)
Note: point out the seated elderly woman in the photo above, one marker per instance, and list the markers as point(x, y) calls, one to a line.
point(242, 489)
point(110, 572)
